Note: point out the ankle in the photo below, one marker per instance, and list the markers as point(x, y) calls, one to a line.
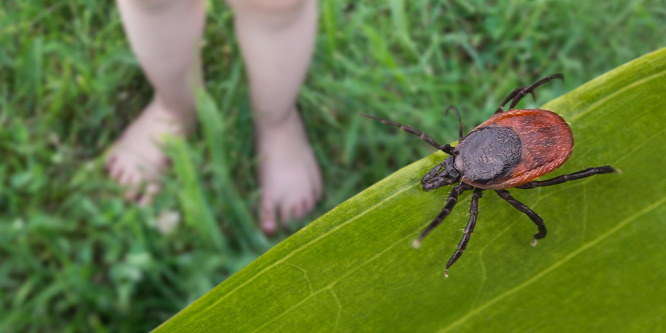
point(276, 121)
point(179, 115)
point(284, 134)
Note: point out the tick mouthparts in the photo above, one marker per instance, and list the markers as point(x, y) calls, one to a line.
point(416, 243)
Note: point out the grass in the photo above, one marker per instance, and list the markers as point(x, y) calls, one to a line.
point(75, 257)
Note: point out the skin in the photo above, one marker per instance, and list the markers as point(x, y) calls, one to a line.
point(276, 39)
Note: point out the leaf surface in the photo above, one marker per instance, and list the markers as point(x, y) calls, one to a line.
point(601, 267)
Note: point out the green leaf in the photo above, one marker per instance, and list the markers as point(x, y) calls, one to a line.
point(601, 267)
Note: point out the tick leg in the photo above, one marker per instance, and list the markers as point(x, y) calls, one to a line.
point(450, 203)
point(510, 96)
point(530, 90)
point(473, 213)
point(432, 179)
point(451, 107)
point(532, 215)
point(572, 176)
point(517, 94)
point(445, 148)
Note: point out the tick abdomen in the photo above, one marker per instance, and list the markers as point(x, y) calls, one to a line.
point(513, 148)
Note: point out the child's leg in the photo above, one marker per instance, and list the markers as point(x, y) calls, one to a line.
point(165, 36)
point(277, 39)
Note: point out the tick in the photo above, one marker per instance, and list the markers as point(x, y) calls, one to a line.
point(509, 150)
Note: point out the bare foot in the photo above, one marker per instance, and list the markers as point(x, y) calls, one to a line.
point(289, 175)
point(136, 160)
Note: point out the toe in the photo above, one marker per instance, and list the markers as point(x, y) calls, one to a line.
point(127, 179)
point(149, 193)
point(110, 161)
point(130, 183)
point(116, 172)
point(308, 206)
point(301, 209)
point(268, 224)
point(285, 213)
point(298, 210)
point(132, 193)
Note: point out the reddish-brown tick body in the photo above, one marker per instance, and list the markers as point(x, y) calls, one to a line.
point(509, 150)
point(513, 148)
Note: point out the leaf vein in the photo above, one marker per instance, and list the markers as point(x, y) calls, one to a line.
point(332, 284)
point(305, 246)
point(612, 95)
point(554, 266)
point(337, 301)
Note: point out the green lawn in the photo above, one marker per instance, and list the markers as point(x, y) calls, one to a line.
point(75, 257)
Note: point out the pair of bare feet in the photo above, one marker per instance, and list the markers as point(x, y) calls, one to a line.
point(276, 39)
point(288, 172)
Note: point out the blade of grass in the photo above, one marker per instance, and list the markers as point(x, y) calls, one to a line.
point(239, 216)
point(194, 204)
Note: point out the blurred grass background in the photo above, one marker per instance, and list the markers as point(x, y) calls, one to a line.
point(75, 257)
